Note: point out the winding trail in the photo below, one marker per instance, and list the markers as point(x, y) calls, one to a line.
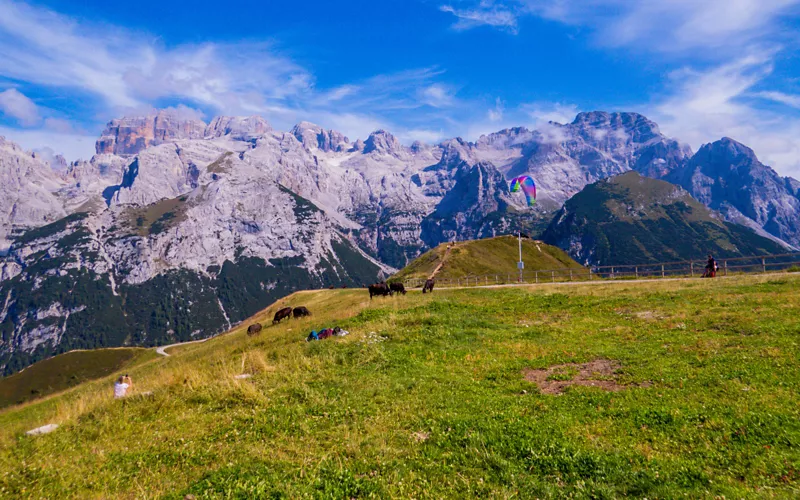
point(162, 350)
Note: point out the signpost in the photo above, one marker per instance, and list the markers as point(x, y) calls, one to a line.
point(520, 264)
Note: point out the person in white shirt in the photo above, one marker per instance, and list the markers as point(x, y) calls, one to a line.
point(122, 385)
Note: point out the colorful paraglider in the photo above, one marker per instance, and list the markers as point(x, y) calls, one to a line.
point(528, 187)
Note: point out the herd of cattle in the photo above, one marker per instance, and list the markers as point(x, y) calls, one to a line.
point(383, 289)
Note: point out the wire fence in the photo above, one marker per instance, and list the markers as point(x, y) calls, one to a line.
point(681, 269)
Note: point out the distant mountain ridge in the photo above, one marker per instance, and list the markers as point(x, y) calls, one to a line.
point(172, 199)
point(631, 219)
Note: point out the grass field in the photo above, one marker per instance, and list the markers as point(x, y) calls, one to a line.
point(489, 256)
point(66, 370)
point(427, 398)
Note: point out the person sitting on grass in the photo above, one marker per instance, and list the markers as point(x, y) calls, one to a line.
point(122, 385)
point(711, 267)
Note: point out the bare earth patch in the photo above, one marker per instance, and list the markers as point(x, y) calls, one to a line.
point(601, 373)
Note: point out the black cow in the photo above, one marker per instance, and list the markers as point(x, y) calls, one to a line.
point(379, 289)
point(299, 312)
point(397, 288)
point(253, 329)
point(284, 313)
point(428, 285)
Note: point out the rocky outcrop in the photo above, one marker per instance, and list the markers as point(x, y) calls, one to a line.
point(242, 128)
point(27, 192)
point(131, 135)
point(727, 176)
point(315, 137)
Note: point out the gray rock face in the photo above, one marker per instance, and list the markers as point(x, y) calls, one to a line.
point(27, 187)
point(315, 137)
point(129, 136)
point(727, 176)
point(237, 127)
point(563, 159)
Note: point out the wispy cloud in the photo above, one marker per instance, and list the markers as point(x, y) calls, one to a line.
point(128, 69)
point(664, 25)
point(705, 105)
point(792, 100)
point(16, 105)
point(484, 13)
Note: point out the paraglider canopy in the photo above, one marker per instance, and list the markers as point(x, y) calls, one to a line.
point(528, 187)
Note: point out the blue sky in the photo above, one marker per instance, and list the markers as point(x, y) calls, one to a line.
point(423, 69)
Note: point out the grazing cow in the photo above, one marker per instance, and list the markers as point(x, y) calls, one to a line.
point(253, 329)
point(397, 287)
point(284, 313)
point(379, 289)
point(428, 285)
point(299, 312)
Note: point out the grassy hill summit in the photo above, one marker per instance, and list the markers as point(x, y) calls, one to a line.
point(631, 219)
point(498, 256)
point(587, 390)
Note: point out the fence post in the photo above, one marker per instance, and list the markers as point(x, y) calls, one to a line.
point(508, 278)
point(570, 274)
point(536, 276)
point(612, 272)
point(691, 267)
point(662, 270)
point(496, 279)
point(553, 275)
point(636, 271)
point(725, 267)
point(763, 265)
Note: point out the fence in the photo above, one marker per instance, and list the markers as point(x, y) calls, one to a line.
point(682, 269)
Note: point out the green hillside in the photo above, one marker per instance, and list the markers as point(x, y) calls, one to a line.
point(591, 390)
point(66, 370)
point(630, 219)
point(489, 256)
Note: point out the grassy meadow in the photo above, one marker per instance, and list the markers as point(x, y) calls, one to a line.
point(488, 256)
point(427, 398)
point(67, 370)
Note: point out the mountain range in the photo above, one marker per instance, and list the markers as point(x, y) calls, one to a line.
point(177, 228)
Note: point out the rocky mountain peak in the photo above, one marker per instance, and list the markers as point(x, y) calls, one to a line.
point(621, 126)
point(237, 127)
point(129, 135)
point(382, 142)
point(312, 136)
point(727, 150)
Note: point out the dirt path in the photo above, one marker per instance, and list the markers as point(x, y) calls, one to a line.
point(444, 259)
point(162, 350)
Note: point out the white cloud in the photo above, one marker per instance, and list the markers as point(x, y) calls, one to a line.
point(485, 13)
point(422, 135)
point(792, 100)
point(704, 106)
point(541, 114)
point(15, 104)
point(496, 114)
point(72, 146)
point(437, 96)
point(128, 69)
point(664, 25)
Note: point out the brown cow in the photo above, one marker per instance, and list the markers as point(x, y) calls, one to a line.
point(428, 285)
point(284, 313)
point(253, 329)
point(299, 312)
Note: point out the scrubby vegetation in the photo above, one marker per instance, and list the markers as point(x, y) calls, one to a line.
point(427, 398)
